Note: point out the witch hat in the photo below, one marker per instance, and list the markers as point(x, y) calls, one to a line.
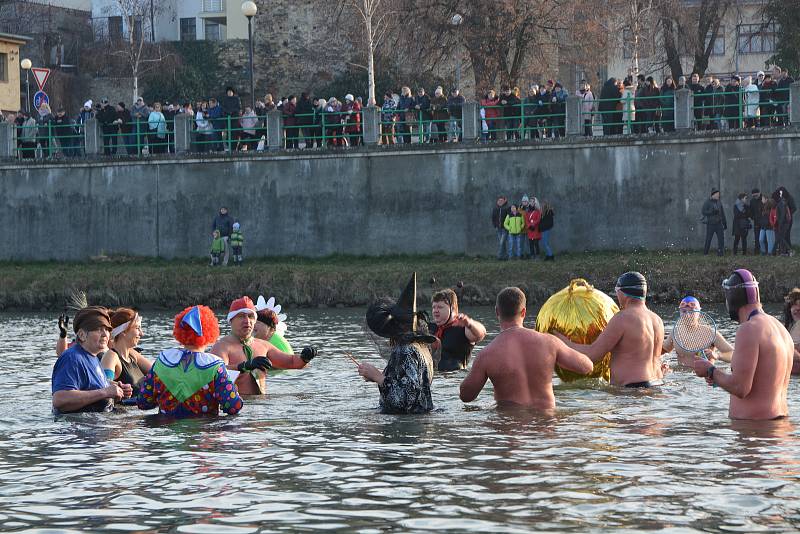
point(391, 320)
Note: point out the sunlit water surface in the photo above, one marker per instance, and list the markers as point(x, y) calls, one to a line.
point(316, 455)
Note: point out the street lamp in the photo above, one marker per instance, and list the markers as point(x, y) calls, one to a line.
point(26, 65)
point(456, 22)
point(249, 10)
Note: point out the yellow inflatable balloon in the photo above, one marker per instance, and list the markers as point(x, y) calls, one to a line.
point(580, 312)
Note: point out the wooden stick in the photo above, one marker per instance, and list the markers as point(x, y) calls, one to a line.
point(352, 359)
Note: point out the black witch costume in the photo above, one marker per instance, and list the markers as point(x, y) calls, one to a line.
point(407, 377)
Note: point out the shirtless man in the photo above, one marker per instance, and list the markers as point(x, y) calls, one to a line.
point(720, 349)
point(252, 356)
point(633, 337)
point(762, 360)
point(519, 361)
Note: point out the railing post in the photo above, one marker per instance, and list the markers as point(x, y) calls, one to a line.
point(684, 104)
point(274, 129)
point(470, 121)
point(183, 133)
point(8, 140)
point(794, 104)
point(371, 125)
point(574, 122)
point(93, 139)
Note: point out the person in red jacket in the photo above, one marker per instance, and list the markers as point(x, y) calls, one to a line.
point(532, 218)
point(490, 106)
point(352, 127)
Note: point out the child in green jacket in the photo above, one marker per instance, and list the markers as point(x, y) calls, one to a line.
point(515, 225)
point(237, 241)
point(217, 248)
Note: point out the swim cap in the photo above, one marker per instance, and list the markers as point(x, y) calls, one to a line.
point(632, 284)
point(741, 289)
point(691, 300)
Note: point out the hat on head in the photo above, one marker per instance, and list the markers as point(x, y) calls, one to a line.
point(196, 326)
point(525, 198)
point(236, 226)
point(737, 78)
point(632, 284)
point(104, 100)
point(88, 104)
point(760, 73)
point(690, 300)
point(91, 318)
point(741, 289)
point(714, 191)
point(755, 191)
point(242, 305)
point(398, 320)
point(348, 97)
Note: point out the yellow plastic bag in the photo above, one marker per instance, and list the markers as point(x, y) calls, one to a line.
point(580, 312)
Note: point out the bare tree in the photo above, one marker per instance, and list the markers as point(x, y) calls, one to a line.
point(134, 46)
point(690, 30)
point(376, 17)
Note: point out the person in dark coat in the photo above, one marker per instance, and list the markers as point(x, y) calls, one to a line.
point(64, 132)
point(304, 118)
point(126, 126)
point(741, 223)
point(733, 101)
point(715, 221)
point(107, 117)
point(499, 212)
point(609, 98)
point(231, 109)
point(790, 203)
point(223, 223)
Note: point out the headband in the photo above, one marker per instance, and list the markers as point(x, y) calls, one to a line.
point(124, 326)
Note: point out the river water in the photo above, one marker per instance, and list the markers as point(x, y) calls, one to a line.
point(316, 455)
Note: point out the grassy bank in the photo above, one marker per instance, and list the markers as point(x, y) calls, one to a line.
point(355, 281)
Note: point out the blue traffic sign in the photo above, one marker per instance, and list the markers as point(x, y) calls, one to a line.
point(40, 98)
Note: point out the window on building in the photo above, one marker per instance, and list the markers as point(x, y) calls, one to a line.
point(213, 6)
point(115, 28)
point(215, 31)
point(718, 46)
point(3, 67)
point(756, 38)
point(189, 29)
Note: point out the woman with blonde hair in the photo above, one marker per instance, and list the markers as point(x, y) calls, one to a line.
point(122, 362)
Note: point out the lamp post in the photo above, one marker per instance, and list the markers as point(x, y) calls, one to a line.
point(456, 21)
point(26, 65)
point(249, 10)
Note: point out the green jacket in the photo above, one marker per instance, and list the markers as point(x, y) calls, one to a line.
point(515, 224)
point(236, 239)
point(217, 246)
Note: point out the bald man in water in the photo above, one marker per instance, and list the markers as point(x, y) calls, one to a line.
point(762, 358)
point(519, 361)
point(633, 337)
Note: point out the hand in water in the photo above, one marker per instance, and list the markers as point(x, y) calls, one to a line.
point(370, 373)
point(114, 391)
point(665, 368)
point(127, 390)
point(259, 362)
point(63, 323)
point(308, 354)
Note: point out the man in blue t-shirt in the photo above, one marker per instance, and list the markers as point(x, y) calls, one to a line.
point(78, 382)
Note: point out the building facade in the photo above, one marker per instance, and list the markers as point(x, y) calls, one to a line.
point(10, 71)
point(171, 20)
point(743, 45)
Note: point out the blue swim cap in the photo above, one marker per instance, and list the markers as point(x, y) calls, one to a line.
point(691, 300)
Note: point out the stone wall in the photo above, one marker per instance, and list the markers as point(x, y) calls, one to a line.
point(616, 194)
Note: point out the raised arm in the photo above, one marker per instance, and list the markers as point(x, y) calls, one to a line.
point(604, 343)
point(476, 379)
point(571, 359)
point(724, 348)
point(743, 366)
point(474, 330)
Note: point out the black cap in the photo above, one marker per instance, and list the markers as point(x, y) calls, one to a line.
point(714, 190)
point(755, 190)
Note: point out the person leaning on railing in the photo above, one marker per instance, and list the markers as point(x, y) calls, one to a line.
point(530, 108)
point(667, 104)
point(733, 102)
point(352, 119)
point(455, 107)
point(304, 118)
point(422, 103)
point(43, 120)
point(289, 109)
point(511, 109)
point(27, 135)
point(751, 98)
point(65, 134)
point(126, 126)
point(157, 128)
point(440, 115)
point(784, 86)
point(767, 98)
point(405, 108)
point(715, 100)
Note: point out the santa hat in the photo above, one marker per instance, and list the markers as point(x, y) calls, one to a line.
point(196, 326)
point(242, 305)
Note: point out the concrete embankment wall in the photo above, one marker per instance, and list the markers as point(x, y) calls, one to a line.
point(615, 194)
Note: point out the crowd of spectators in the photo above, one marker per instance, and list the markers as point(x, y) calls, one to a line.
point(634, 105)
point(769, 216)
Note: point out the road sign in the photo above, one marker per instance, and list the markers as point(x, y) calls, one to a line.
point(40, 98)
point(41, 75)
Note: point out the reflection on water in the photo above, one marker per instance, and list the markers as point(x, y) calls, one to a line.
point(316, 455)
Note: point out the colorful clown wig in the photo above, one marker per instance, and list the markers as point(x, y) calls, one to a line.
point(196, 326)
